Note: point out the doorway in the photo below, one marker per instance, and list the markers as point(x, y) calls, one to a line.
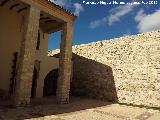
point(50, 83)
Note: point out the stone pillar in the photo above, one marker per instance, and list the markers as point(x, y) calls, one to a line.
point(63, 84)
point(27, 57)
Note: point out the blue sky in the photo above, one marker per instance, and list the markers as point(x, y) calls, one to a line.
point(99, 22)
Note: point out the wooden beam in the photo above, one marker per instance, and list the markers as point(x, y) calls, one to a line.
point(4, 2)
point(41, 15)
point(13, 6)
point(48, 21)
point(55, 28)
point(45, 18)
point(22, 9)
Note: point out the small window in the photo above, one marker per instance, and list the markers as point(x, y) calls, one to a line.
point(38, 41)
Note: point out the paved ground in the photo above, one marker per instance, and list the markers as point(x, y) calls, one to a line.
point(78, 109)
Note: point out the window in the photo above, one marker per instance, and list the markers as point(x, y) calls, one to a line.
point(38, 41)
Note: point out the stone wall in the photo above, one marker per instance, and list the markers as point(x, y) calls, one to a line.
point(125, 69)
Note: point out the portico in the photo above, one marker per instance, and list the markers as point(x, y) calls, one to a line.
point(36, 16)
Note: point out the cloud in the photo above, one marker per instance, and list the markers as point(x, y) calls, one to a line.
point(148, 22)
point(78, 9)
point(58, 2)
point(118, 12)
point(114, 16)
point(68, 4)
point(64, 3)
point(97, 23)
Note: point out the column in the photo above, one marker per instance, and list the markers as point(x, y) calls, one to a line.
point(27, 57)
point(63, 83)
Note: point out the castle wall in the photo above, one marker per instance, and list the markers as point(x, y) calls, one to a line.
point(125, 69)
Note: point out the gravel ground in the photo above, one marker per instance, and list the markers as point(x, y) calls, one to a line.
point(78, 109)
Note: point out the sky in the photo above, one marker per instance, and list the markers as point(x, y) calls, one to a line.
point(103, 21)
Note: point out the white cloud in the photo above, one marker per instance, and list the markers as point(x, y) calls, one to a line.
point(68, 3)
point(64, 3)
point(115, 15)
point(118, 12)
point(148, 22)
point(78, 9)
point(140, 15)
point(58, 2)
point(97, 23)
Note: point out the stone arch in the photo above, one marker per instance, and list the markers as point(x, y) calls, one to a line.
point(50, 83)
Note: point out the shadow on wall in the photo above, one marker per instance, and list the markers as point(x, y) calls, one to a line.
point(92, 79)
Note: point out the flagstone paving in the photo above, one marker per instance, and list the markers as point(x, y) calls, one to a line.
point(78, 109)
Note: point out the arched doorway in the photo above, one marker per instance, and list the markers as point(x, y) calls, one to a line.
point(50, 83)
